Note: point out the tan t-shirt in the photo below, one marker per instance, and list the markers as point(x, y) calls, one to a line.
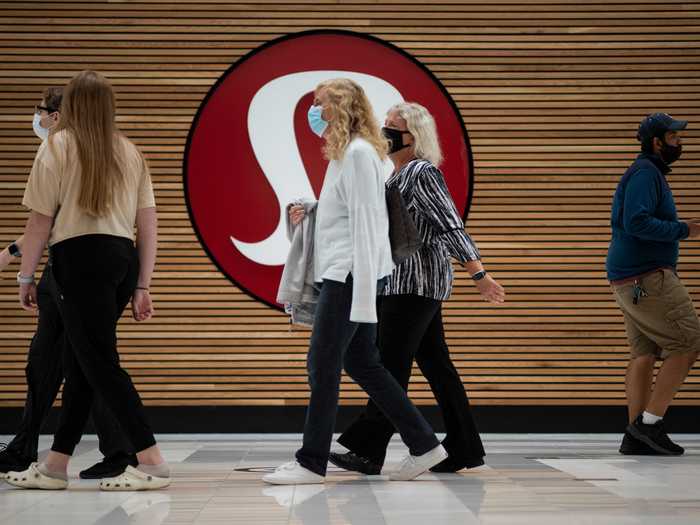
point(53, 189)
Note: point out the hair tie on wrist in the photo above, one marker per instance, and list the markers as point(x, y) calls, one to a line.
point(141, 288)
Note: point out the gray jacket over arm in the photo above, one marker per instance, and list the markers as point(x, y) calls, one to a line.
point(297, 291)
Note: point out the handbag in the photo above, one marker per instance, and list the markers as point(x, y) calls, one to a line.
point(403, 234)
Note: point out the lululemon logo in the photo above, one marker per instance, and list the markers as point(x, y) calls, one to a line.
point(250, 151)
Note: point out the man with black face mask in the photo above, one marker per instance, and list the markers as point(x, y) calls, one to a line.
point(660, 318)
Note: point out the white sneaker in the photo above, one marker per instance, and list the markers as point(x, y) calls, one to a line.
point(292, 473)
point(413, 466)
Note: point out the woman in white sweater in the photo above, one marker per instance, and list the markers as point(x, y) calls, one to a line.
point(352, 259)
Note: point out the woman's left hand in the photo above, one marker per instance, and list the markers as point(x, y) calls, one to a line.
point(490, 290)
point(27, 296)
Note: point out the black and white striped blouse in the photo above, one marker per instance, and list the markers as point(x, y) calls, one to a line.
point(428, 272)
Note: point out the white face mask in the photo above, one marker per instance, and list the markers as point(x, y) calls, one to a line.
point(40, 131)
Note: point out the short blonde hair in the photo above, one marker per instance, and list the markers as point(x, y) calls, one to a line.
point(352, 116)
point(421, 125)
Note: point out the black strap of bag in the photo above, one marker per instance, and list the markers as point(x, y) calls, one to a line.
point(403, 234)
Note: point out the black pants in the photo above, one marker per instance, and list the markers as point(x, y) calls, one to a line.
point(337, 342)
point(44, 374)
point(95, 277)
point(410, 327)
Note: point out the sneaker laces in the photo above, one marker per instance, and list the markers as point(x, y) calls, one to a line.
point(658, 432)
point(664, 437)
point(291, 465)
point(3, 446)
point(657, 429)
point(361, 459)
point(408, 461)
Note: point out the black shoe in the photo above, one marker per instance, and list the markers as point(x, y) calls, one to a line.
point(109, 467)
point(354, 463)
point(450, 465)
point(631, 446)
point(11, 461)
point(655, 437)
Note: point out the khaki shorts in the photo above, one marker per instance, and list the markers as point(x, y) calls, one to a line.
point(664, 321)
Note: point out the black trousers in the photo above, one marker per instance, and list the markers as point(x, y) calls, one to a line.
point(410, 327)
point(95, 277)
point(44, 373)
point(336, 343)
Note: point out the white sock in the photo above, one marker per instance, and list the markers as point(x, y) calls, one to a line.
point(649, 419)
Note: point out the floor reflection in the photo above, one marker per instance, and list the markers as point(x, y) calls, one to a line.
point(541, 480)
point(375, 501)
point(148, 508)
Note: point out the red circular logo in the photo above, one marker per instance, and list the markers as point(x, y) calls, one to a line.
point(250, 150)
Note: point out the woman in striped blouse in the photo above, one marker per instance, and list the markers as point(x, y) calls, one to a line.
point(352, 258)
point(410, 308)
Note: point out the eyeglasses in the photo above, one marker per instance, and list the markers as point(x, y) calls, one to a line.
point(39, 109)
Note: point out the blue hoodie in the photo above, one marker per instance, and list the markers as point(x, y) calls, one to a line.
point(645, 226)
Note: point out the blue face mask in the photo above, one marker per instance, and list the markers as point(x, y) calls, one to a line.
point(316, 122)
point(40, 131)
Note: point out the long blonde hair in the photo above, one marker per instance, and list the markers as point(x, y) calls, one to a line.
point(88, 114)
point(352, 116)
point(421, 125)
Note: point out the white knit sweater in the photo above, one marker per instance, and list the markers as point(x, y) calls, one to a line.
point(352, 227)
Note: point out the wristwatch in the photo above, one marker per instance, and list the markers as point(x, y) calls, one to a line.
point(478, 276)
point(21, 279)
point(14, 250)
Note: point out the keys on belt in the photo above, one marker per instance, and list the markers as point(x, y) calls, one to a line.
point(638, 291)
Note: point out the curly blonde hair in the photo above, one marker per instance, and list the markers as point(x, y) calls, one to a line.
point(352, 116)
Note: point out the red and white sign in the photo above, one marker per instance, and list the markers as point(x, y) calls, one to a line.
point(250, 150)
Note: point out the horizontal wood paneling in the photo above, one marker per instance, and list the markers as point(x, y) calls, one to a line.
point(551, 92)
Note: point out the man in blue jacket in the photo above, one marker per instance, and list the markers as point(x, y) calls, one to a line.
point(660, 318)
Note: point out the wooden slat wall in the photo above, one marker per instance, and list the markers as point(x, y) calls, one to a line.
point(551, 93)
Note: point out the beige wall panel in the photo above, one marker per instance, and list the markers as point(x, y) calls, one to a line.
point(550, 91)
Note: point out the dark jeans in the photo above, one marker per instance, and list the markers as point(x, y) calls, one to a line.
point(410, 327)
point(95, 277)
point(336, 343)
point(44, 374)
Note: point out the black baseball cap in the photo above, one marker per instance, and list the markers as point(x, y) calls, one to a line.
point(657, 124)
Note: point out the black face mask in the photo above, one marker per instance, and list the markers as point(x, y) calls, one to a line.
point(671, 154)
point(395, 137)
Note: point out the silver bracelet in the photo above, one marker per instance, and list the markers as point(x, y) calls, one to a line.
point(21, 279)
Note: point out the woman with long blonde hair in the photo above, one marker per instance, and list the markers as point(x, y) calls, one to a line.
point(88, 187)
point(352, 258)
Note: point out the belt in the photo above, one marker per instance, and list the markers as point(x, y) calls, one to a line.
point(628, 280)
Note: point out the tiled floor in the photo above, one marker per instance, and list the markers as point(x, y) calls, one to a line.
point(538, 479)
